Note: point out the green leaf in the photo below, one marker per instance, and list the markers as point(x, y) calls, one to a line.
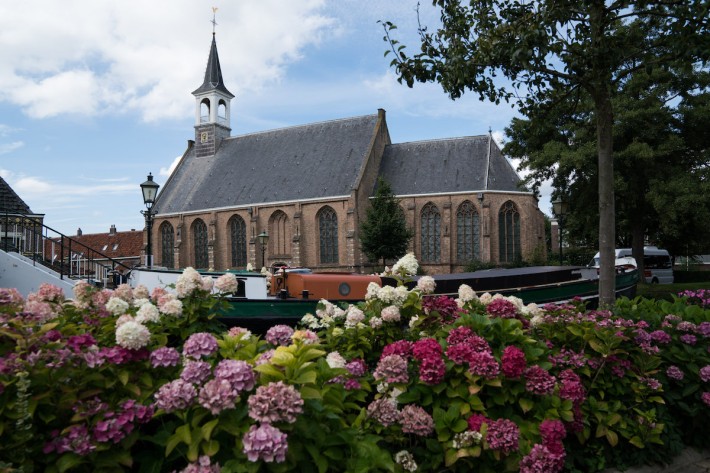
point(636, 441)
point(123, 376)
point(68, 461)
point(308, 377)
point(612, 438)
point(526, 404)
point(269, 370)
point(208, 428)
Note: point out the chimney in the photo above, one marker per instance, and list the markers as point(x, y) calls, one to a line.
point(78, 231)
point(112, 231)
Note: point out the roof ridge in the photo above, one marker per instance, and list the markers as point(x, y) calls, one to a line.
point(272, 130)
point(432, 140)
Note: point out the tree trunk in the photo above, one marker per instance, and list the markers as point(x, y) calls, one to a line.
point(607, 229)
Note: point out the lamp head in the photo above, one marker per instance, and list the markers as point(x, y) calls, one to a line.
point(150, 190)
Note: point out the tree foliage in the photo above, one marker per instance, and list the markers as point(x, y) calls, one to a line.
point(564, 46)
point(661, 158)
point(384, 234)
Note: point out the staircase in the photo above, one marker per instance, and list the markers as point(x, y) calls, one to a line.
point(32, 253)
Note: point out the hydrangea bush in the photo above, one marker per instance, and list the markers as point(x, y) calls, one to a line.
point(125, 380)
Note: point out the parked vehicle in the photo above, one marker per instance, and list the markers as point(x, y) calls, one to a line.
point(657, 264)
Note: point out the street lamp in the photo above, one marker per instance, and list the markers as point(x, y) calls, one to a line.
point(150, 190)
point(559, 207)
point(263, 240)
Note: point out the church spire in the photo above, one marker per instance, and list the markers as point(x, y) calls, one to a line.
point(213, 74)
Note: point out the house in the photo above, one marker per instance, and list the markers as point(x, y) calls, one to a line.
point(308, 187)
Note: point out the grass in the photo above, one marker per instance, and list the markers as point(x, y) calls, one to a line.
point(665, 291)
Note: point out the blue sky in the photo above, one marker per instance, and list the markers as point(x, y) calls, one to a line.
point(94, 95)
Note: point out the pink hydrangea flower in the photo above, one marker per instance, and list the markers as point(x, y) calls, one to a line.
point(706, 398)
point(571, 387)
point(392, 369)
point(175, 395)
point(164, 356)
point(199, 345)
point(266, 443)
point(275, 402)
point(384, 410)
point(502, 308)
point(539, 381)
point(227, 283)
point(425, 348)
point(416, 420)
point(279, 335)
point(460, 353)
point(483, 363)
point(400, 347)
point(432, 370)
point(542, 460)
point(356, 367)
point(196, 372)
point(203, 465)
point(217, 395)
point(503, 435)
point(238, 373)
point(513, 361)
point(673, 372)
point(705, 373)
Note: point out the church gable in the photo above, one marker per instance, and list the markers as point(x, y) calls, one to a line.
point(447, 166)
point(314, 161)
point(10, 201)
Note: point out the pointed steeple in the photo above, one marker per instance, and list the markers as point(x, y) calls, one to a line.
point(213, 74)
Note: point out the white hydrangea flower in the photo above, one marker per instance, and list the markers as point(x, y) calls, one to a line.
point(335, 360)
point(536, 321)
point(123, 319)
point(406, 266)
point(486, 298)
point(390, 314)
point(466, 439)
point(132, 335)
point(337, 332)
point(117, 306)
point(375, 322)
point(141, 292)
point(354, 317)
point(413, 321)
point(406, 460)
point(188, 282)
point(207, 283)
point(338, 313)
point(147, 313)
point(386, 294)
point(172, 307)
point(227, 283)
point(532, 309)
point(400, 295)
point(517, 302)
point(466, 293)
point(250, 267)
point(394, 393)
point(311, 321)
point(140, 301)
point(426, 284)
point(373, 290)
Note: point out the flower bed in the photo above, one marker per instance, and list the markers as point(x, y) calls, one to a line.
point(129, 381)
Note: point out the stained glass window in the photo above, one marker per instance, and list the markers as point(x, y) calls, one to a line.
point(238, 233)
point(328, 225)
point(201, 253)
point(430, 234)
point(167, 242)
point(509, 233)
point(468, 233)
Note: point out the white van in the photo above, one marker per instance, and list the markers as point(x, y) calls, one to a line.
point(657, 264)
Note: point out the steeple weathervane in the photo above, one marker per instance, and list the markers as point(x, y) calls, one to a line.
point(214, 19)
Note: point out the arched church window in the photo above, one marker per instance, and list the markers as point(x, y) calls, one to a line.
point(468, 233)
point(167, 243)
point(199, 230)
point(328, 235)
point(508, 233)
point(238, 233)
point(430, 234)
point(280, 234)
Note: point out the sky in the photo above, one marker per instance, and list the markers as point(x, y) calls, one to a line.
point(95, 95)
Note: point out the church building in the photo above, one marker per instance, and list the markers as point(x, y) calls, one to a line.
point(296, 196)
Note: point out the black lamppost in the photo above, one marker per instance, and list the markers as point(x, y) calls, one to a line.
point(263, 240)
point(559, 206)
point(150, 190)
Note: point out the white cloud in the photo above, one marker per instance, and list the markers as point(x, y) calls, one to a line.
point(169, 170)
point(10, 147)
point(84, 57)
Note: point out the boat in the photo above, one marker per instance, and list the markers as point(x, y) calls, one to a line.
point(286, 296)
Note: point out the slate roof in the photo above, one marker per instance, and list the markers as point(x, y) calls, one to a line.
point(213, 73)
point(447, 166)
point(10, 201)
point(317, 160)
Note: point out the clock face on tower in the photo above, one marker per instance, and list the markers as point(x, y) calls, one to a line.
point(204, 136)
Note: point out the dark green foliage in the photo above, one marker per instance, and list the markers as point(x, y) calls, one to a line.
point(384, 234)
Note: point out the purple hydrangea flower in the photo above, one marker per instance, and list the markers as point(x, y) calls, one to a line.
point(705, 373)
point(239, 374)
point(164, 356)
point(503, 435)
point(541, 459)
point(539, 381)
point(199, 345)
point(175, 395)
point(416, 420)
point(279, 335)
point(356, 367)
point(275, 402)
point(217, 395)
point(688, 339)
point(196, 372)
point(673, 372)
point(265, 443)
point(392, 369)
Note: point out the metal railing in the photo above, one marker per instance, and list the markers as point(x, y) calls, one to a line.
point(28, 236)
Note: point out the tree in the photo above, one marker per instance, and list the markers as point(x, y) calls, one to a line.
point(384, 234)
point(561, 45)
point(658, 139)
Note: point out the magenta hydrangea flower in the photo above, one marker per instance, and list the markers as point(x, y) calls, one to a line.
point(539, 381)
point(476, 421)
point(279, 335)
point(200, 345)
point(416, 420)
point(164, 356)
point(392, 369)
point(688, 339)
point(77, 342)
point(704, 329)
point(552, 431)
point(513, 361)
point(459, 335)
point(706, 398)
point(275, 402)
point(503, 435)
point(196, 372)
point(266, 443)
point(217, 395)
point(673, 372)
point(384, 410)
point(400, 347)
point(484, 364)
point(571, 387)
point(460, 353)
point(238, 373)
point(425, 348)
point(175, 395)
point(76, 439)
point(542, 460)
point(502, 308)
point(432, 370)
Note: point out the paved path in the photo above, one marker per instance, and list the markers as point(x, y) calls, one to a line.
point(690, 461)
